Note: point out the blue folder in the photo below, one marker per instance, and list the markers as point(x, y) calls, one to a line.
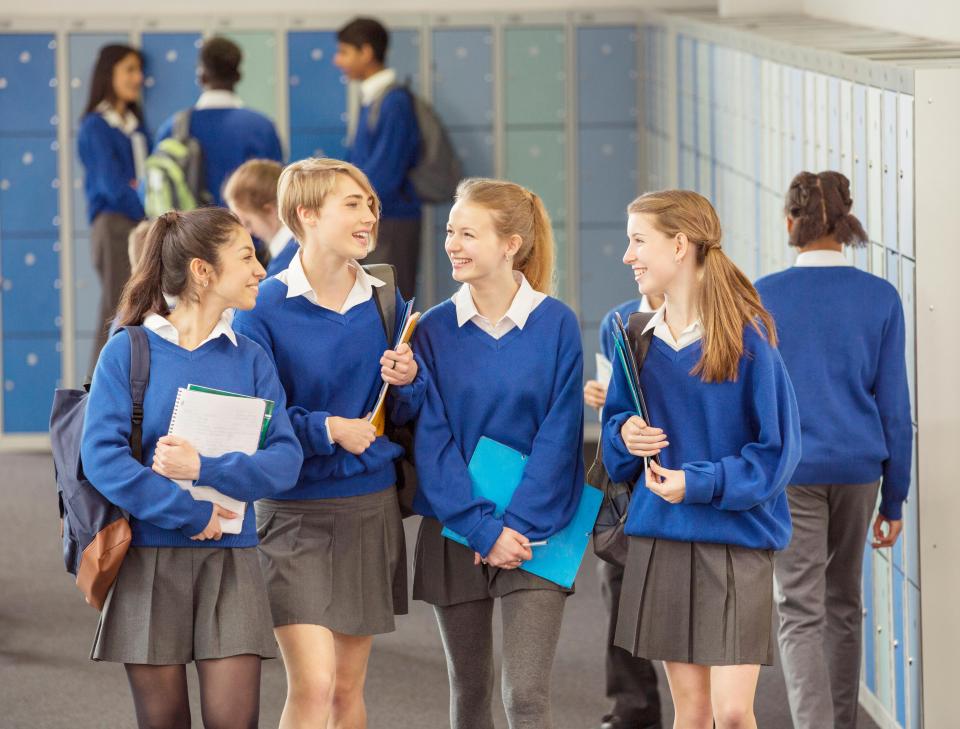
point(496, 471)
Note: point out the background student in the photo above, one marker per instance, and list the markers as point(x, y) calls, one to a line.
point(112, 144)
point(704, 524)
point(228, 133)
point(631, 681)
point(251, 194)
point(186, 591)
point(504, 361)
point(842, 338)
point(387, 152)
point(333, 546)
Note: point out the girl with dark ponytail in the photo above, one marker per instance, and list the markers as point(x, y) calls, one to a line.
point(190, 588)
point(842, 340)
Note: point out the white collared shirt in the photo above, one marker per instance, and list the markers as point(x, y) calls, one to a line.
point(821, 259)
point(297, 285)
point(524, 302)
point(661, 330)
point(372, 87)
point(279, 241)
point(218, 99)
point(128, 124)
point(163, 328)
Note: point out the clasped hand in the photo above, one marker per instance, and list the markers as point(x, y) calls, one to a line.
point(509, 551)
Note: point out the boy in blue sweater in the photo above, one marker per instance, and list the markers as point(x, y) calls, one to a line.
point(709, 509)
point(842, 339)
point(387, 150)
point(186, 591)
point(504, 361)
point(228, 133)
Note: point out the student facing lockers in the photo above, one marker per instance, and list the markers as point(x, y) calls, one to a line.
point(705, 522)
point(186, 592)
point(332, 548)
point(503, 361)
point(842, 339)
point(112, 145)
point(251, 194)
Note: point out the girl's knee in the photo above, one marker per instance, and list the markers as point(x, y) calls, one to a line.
point(313, 693)
point(734, 715)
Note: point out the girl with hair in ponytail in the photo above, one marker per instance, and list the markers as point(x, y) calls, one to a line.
point(187, 591)
point(842, 339)
point(704, 521)
point(504, 361)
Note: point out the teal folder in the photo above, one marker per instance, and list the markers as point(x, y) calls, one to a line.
point(496, 471)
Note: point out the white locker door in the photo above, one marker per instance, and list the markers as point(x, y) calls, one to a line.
point(846, 130)
point(889, 152)
point(874, 167)
point(859, 179)
point(905, 177)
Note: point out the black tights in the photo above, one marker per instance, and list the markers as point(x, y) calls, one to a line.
point(229, 694)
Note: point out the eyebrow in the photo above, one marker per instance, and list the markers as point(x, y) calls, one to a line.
point(356, 196)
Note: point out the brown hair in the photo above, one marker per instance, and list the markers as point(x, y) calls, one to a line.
point(174, 239)
point(253, 185)
point(819, 205)
point(728, 301)
point(307, 183)
point(517, 211)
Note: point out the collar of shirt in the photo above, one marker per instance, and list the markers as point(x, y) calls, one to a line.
point(128, 123)
point(163, 328)
point(279, 241)
point(821, 259)
point(297, 284)
point(524, 302)
point(645, 307)
point(218, 99)
point(661, 330)
point(372, 87)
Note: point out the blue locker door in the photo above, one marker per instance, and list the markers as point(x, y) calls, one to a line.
point(606, 62)
point(604, 279)
point(463, 77)
point(318, 92)
point(869, 622)
point(31, 372)
point(170, 83)
point(899, 646)
point(404, 55)
point(31, 286)
point(29, 185)
point(914, 658)
point(28, 71)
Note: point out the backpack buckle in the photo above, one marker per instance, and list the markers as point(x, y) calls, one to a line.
point(137, 416)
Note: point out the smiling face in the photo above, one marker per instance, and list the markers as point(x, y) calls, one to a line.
point(237, 281)
point(475, 249)
point(652, 255)
point(346, 220)
point(128, 79)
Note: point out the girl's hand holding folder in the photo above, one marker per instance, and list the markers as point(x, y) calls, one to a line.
point(352, 434)
point(640, 439)
point(398, 367)
point(669, 485)
point(175, 458)
point(214, 529)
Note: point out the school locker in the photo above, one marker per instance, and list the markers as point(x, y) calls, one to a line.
point(821, 140)
point(834, 122)
point(403, 56)
point(786, 129)
point(846, 131)
point(704, 143)
point(317, 89)
point(606, 89)
point(81, 222)
point(797, 118)
point(86, 289)
point(911, 524)
point(31, 285)
point(907, 288)
point(810, 121)
point(561, 265)
point(890, 169)
point(258, 85)
point(893, 268)
point(602, 271)
point(607, 183)
point(874, 167)
point(914, 658)
point(28, 71)
point(859, 179)
point(878, 255)
point(905, 174)
point(463, 77)
point(309, 143)
point(29, 184)
point(444, 284)
point(884, 630)
point(535, 82)
point(535, 159)
point(31, 372)
point(899, 647)
point(869, 621)
point(170, 77)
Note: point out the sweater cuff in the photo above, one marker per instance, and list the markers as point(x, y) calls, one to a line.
point(483, 536)
point(700, 483)
point(892, 510)
point(320, 436)
point(210, 472)
point(202, 511)
point(412, 394)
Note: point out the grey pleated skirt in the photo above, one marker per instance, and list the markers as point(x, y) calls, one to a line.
point(446, 575)
point(174, 605)
point(693, 602)
point(340, 563)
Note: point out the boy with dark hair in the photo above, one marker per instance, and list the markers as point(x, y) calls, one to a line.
point(385, 147)
point(228, 134)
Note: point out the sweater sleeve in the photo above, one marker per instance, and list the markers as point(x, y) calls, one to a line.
point(274, 468)
point(394, 144)
point(763, 468)
point(443, 477)
point(552, 483)
point(109, 463)
point(621, 465)
point(892, 393)
point(103, 167)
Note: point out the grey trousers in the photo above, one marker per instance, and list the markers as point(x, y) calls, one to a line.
point(399, 245)
point(108, 241)
point(531, 629)
point(817, 588)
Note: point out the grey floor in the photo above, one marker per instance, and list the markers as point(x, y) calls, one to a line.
point(46, 681)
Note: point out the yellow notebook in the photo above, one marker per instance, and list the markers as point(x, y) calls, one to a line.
point(379, 414)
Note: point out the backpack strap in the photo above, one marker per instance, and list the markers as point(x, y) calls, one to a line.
point(139, 377)
point(373, 116)
point(385, 297)
point(639, 341)
point(181, 125)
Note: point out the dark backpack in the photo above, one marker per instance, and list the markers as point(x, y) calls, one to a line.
point(386, 300)
point(609, 538)
point(96, 533)
point(438, 171)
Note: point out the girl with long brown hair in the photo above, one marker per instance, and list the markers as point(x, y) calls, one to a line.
point(705, 520)
point(503, 361)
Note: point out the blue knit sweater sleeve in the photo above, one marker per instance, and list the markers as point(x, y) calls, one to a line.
point(109, 463)
point(104, 169)
point(442, 473)
point(763, 468)
point(552, 481)
point(272, 469)
point(394, 145)
point(892, 394)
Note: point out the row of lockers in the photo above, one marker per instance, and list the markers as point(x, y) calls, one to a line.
point(736, 127)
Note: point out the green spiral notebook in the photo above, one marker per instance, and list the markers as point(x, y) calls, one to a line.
point(267, 412)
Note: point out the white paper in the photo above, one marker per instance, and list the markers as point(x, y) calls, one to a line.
point(604, 370)
point(214, 425)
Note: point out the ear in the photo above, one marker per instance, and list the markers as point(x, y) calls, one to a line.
point(790, 222)
point(200, 271)
point(366, 53)
point(513, 245)
point(682, 244)
point(307, 216)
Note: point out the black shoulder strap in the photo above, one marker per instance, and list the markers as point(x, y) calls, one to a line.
point(385, 297)
point(181, 125)
point(639, 341)
point(139, 377)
